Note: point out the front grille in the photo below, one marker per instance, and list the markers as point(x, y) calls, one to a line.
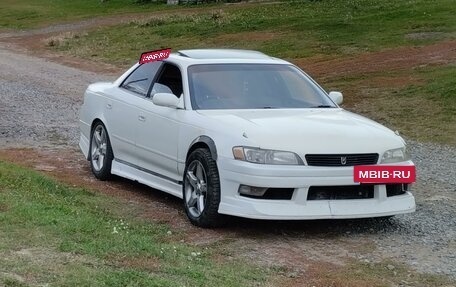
point(340, 192)
point(341, 159)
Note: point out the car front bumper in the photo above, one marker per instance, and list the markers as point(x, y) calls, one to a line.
point(233, 173)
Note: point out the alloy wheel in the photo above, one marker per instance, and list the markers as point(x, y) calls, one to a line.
point(195, 188)
point(99, 147)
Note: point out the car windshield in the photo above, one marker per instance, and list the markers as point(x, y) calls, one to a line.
point(253, 86)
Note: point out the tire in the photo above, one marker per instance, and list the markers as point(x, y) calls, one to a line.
point(100, 152)
point(201, 190)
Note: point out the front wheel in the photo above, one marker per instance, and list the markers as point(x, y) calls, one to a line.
point(100, 155)
point(201, 189)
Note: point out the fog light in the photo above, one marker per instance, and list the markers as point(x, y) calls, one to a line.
point(252, 190)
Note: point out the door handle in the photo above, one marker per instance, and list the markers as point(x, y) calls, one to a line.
point(142, 118)
point(108, 106)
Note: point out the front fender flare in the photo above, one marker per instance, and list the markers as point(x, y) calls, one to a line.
point(209, 142)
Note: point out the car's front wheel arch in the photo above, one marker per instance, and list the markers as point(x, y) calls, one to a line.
point(203, 142)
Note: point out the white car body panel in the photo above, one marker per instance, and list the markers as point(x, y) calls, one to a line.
point(146, 177)
point(150, 145)
point(308, 131)
point(120, 116)
point(234, 172)
point(157, 139)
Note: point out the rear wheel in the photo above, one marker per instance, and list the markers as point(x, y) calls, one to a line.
point(100, 155)
point(201, 189)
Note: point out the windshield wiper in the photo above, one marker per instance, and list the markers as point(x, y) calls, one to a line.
point(322, 106)
point(267, 107)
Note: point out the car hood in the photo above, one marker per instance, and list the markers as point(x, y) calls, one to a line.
point(307, 130)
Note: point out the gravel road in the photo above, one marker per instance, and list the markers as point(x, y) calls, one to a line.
point(39, 103)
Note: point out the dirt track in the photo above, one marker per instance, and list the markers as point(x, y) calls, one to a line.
point(39, 102)
point(388, 61)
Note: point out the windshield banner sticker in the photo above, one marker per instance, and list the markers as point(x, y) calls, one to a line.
point(156, 55)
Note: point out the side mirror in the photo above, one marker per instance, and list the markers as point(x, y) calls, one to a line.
point(166, 100)
point(336, 97)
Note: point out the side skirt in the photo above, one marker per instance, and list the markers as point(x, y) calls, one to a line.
point(144, 177)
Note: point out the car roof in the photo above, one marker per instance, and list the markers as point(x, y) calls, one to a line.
point(214, 56)
point(222, 54)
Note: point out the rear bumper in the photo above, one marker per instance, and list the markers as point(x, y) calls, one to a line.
point(234, 173)
point(84, 145)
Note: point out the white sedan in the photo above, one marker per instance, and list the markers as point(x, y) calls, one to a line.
point(236, 132)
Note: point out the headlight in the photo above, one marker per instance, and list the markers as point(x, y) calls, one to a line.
point(266, 156)
point(395, 155)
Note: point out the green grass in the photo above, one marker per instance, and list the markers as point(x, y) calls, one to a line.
point(423, 110)
point(64, 236)
point(33, 13)
point(435, 118)
point(55, 235)
point(289, 29)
